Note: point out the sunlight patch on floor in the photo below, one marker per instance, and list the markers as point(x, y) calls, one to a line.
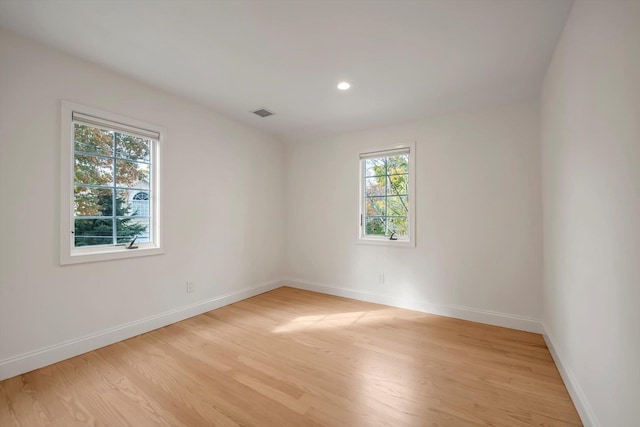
point(336, 320)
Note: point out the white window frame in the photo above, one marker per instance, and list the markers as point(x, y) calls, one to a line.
point(69, 254)
point(410, 240)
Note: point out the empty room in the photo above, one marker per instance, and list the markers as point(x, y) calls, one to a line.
point(320, 213)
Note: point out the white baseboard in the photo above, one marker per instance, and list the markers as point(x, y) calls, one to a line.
point(46, 356)
point(575, 391)
point(459, 312)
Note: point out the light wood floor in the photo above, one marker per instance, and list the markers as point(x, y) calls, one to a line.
point(296, 358)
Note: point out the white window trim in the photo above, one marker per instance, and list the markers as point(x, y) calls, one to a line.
point(72, 255)
point(410, 241)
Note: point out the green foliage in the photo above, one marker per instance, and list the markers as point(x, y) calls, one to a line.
point(95, 173)
point(375, 226)
point(386, 192)
point(90, 232)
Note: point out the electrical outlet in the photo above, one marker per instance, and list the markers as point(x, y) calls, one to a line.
point(381, 278)
point(189, 287)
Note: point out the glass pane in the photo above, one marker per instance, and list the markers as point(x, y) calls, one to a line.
point(375, 226)
point(397, 184)
point(133, 202)
point(133, 147)
point(91, 232)
point(93, 170)
point(92, 201)
point(131, 174)
point(130, 227)
point(375, 206)
point(93, 140)
point(399, 225)
point(376, 167)
point(374, 186)
point(123, 202)
point(398, 164)
point(397, 206)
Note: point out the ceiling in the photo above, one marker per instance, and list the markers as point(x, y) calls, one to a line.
point(405, 59)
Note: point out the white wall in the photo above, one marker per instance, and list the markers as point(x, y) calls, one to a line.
point(223, 193)
point(591, 169)
point(478, 219)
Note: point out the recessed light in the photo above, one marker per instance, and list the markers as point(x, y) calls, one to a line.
point(344, 85)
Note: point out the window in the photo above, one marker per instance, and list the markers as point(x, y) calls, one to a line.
point(140, 204)
point(387, 191)
point(110, 190)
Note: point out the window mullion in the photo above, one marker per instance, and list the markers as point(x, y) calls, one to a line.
point(87, 153)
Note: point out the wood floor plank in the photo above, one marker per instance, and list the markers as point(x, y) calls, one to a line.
point(296, 358)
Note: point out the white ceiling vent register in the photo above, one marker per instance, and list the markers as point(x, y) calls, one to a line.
point(263, 112)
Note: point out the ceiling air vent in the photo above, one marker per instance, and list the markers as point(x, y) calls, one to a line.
point(263, 112)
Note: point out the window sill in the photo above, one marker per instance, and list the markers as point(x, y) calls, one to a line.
point(386, 242)
point(79, 256)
